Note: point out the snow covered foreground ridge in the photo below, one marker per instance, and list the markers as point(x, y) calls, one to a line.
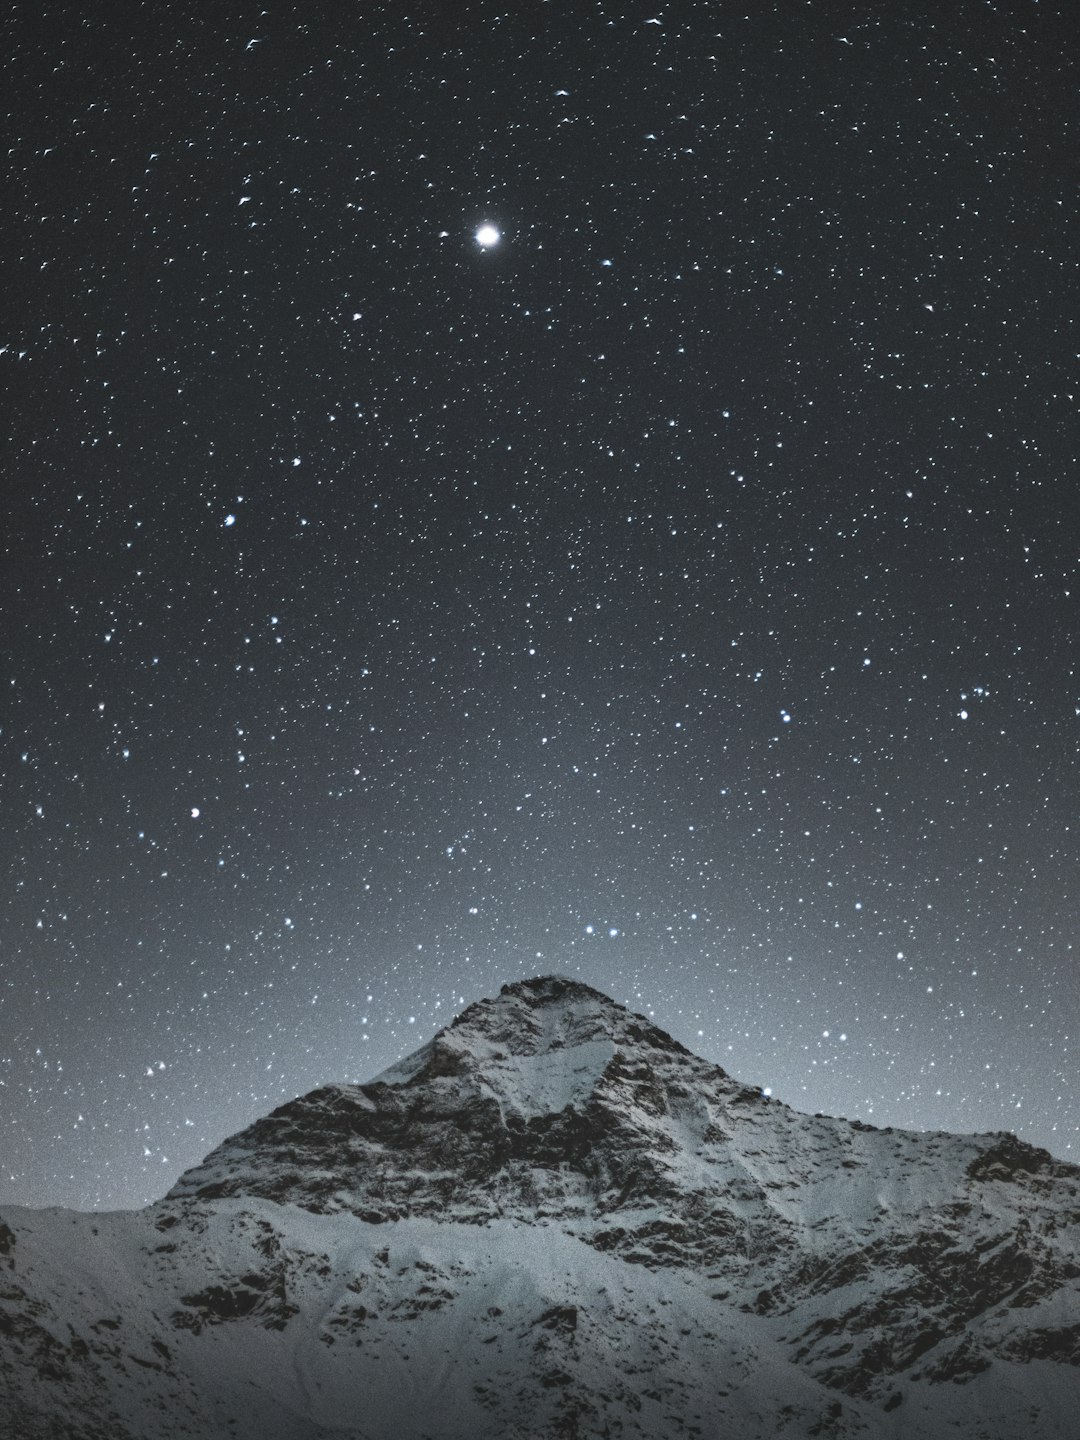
point(554, 1220)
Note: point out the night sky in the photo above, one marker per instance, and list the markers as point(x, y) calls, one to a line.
point(679, 592)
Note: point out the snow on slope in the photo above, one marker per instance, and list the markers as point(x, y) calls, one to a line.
point(555, 1220)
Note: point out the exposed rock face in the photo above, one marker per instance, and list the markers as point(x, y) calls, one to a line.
point(555, 1220)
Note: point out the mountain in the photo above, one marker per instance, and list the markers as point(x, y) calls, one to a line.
point(554, 1220)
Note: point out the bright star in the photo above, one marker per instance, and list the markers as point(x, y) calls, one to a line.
point(487, 236)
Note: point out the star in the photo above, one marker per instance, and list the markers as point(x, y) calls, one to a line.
point(487, 236)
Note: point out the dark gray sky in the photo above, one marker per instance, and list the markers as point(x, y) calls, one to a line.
point(679, 593)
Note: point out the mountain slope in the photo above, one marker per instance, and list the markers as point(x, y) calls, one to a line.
point(554, 1219)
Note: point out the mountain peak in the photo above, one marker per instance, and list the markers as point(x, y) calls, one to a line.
point(551, 1098)
point(551, 1189)
point(550, 1011)
point(543, 1013)
point(529, 1019)
point(556, 989)
point(528, 1078)
point(554, 995)
point(553, 1010)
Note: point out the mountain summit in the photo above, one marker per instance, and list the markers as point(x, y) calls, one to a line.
point(553, 1219)
point(519, 1090)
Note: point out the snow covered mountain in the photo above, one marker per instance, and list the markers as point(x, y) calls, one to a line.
point(553, 1220)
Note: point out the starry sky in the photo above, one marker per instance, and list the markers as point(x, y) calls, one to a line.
point(585, 487)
